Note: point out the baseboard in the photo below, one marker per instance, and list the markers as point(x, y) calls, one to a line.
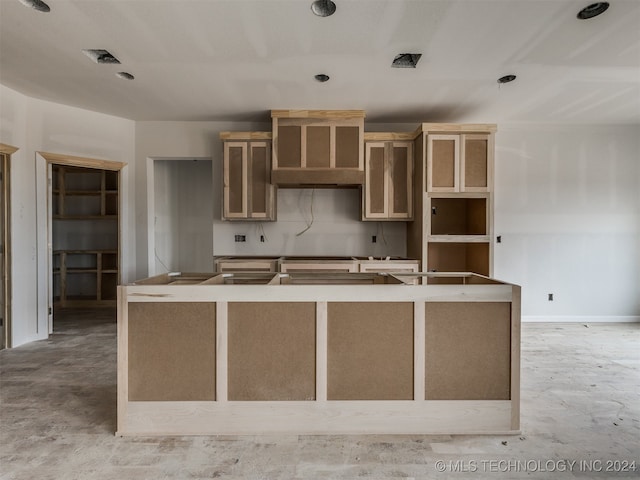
point(581, 318)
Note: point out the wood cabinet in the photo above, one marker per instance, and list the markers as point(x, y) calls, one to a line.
point(388, 188)
point(84, 236)
point(248, 191)
point(459, 162)
point(453, 226)
point(318, 147)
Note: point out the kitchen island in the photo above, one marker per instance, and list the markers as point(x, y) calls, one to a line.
point(318, 353)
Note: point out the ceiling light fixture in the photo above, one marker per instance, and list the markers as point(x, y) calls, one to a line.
point(125, 75)
point(100, 56)
point(593, 10)
point(323, 8)
point(321, 77)
point(507, 79)
point(406, 60)
point(38, 5)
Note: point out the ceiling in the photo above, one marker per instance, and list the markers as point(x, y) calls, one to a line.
point(237, 59)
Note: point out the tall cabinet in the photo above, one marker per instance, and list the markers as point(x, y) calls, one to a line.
point(453, 226)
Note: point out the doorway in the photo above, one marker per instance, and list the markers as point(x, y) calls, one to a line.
point(180, 206)
point(83, 231)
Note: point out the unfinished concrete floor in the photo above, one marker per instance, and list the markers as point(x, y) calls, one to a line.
point(580, 403)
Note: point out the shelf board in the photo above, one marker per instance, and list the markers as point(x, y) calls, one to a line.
point(458, 238)
point(85, 217)
point(81, 270)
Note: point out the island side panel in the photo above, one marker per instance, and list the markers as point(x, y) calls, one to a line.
point(370, 351)
point(468, 351)
point(271, 351)
point(172, 351)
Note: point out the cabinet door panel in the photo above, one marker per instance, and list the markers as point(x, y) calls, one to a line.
point(289, 146)
point(401, 169)
point(444, 153)
point(376, 182)
point(347, 147)
point(235, 180)
point(259, 180)
point(475, 155)
point(318, 146)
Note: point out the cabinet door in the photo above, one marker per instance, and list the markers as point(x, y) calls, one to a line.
point(260, 188)
point(476, 165)
point(235, 180)
point(400, 173)
point(376, 188)
point(443, 163)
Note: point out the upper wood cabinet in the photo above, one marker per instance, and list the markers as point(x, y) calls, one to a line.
point(388, 189)
point(459, 162)
point(248, 191)
point(322, 147)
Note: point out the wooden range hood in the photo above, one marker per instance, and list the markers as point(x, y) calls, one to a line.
point(318, 148)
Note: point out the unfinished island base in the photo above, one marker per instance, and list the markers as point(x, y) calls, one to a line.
point(311, 353)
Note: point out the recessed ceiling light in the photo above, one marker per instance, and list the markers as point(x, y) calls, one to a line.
point(406, 60)
point(323, 8)
point(507, 79)
point(125, 75)
point(100, 56)
point(38, 5)
point(593, 10)
point(321, 77)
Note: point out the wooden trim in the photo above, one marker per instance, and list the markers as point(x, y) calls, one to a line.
point(419, 353)
point(123, 360)
point(515, 356)
point(431, 128)
point(390, 136)
point(313, 177)
point(246, 135)
point(8, 149)
point(321, 351)
point(338, 114)
point(84, 162)
point(5, 157)
point(351, 417)
point(222, 350)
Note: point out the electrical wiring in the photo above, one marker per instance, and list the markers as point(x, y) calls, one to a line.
point(313, 191)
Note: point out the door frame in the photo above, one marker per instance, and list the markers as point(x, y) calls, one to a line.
point(5, 157)
point(83, 162)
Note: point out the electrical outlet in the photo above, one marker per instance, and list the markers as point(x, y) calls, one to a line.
point(262, 238)
point(374, 239)
point(240, 238)
point(551, 297)
point(499, 239)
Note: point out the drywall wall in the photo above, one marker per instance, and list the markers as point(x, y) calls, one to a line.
point(34, 126)
point(567, 208)
point(336, 228)
point(182, 215)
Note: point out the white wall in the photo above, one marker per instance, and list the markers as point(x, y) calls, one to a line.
point(567, 206)
point(34, 125)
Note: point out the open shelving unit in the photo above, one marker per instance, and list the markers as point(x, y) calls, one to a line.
point(85, 210)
